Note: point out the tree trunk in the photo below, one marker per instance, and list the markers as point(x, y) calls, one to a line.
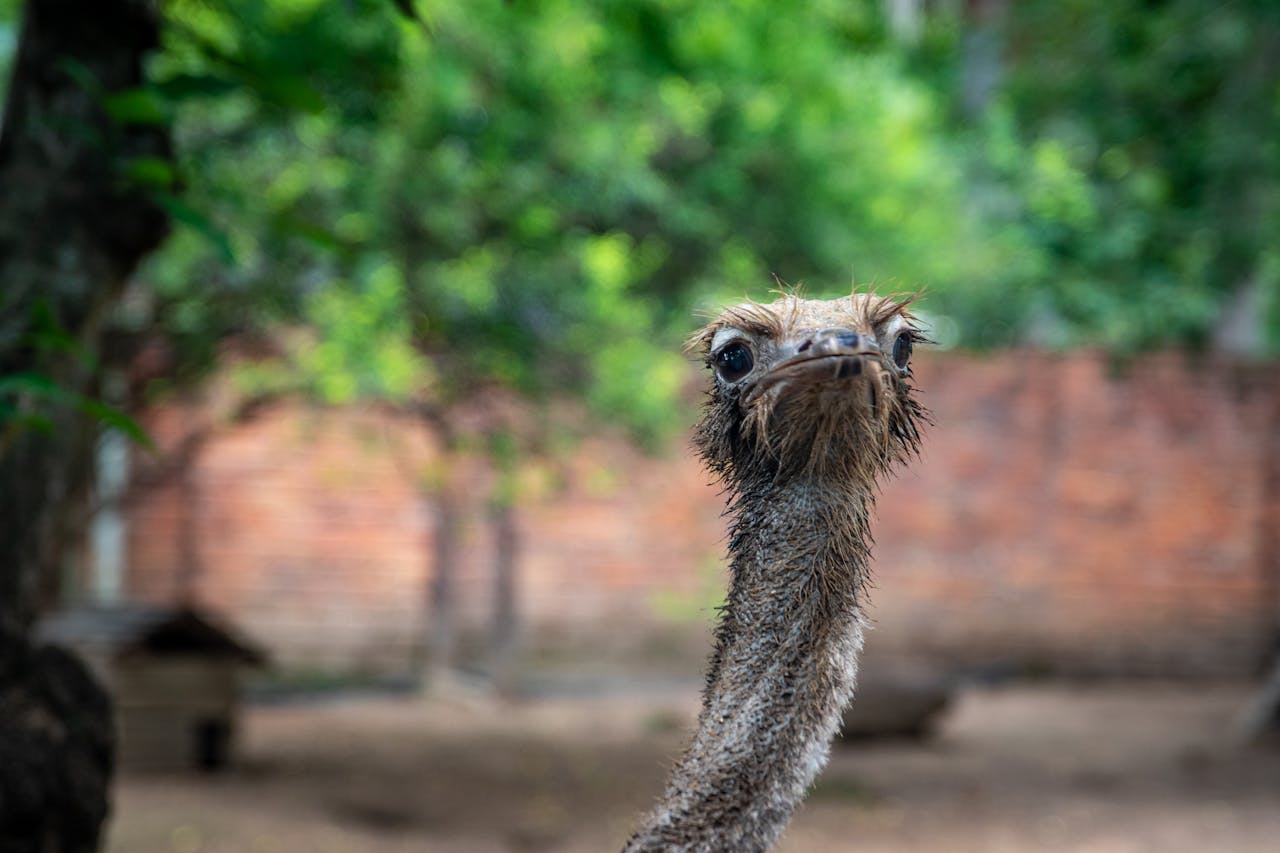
point(1262, 718)
point(71, 231)
point(506, 624)
point(906, 19)
point(982, 63)
point(189, 565)
point(445, 494)
point(441, 625)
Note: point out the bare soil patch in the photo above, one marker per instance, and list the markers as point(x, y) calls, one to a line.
point(1113, 768)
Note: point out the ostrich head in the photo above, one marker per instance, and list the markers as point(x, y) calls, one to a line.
point(806, 387)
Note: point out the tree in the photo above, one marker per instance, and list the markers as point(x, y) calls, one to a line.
point(74, 223)
point(1127, 152)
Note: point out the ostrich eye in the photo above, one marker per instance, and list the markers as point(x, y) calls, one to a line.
point(902, 349)
point(734, 362)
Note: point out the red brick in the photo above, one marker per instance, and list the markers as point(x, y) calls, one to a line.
point(1063, 515)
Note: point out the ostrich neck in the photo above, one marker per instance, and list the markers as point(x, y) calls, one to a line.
point(783, 667)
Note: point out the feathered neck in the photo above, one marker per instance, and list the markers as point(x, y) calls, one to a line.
point(784, 666)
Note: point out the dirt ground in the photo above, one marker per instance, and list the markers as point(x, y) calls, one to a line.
point(1080, 768)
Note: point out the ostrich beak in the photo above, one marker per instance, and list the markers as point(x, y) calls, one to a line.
point(823, 359)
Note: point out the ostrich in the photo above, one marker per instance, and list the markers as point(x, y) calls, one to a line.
point(810, 404)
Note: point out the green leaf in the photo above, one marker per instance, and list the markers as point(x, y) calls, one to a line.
point(80, 73)
point(153, 172)
point(137, 106)
point(183, 86)
point(35, 384)
point(198, 222)
point(34, 422)
point(47, 335)
point(115, 419)
point(42, 387)
point(290, 92)
point(317, 234)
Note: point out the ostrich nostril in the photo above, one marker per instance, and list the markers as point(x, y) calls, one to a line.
point(837, 336)
point(847, 339)
point(826, 338)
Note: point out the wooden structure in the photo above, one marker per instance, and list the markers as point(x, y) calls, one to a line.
point(173, 674)
point(897, 697)
point(1261, 719)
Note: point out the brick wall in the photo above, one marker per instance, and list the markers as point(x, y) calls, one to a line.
point(1069, 518)
point(1063, 518)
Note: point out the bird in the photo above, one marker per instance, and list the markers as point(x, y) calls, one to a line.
point(811, 403)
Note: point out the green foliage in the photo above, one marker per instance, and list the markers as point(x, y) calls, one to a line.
point(29, 399)
point(1133, 149)
point(683, 152)
point(272, 106)
point(361, 346)
point(552, 188)
point(9, 21)
point(447, 198)
point(21, 395)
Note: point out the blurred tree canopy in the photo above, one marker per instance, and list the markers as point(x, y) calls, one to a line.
point(1138, 148)
point(536, 196)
